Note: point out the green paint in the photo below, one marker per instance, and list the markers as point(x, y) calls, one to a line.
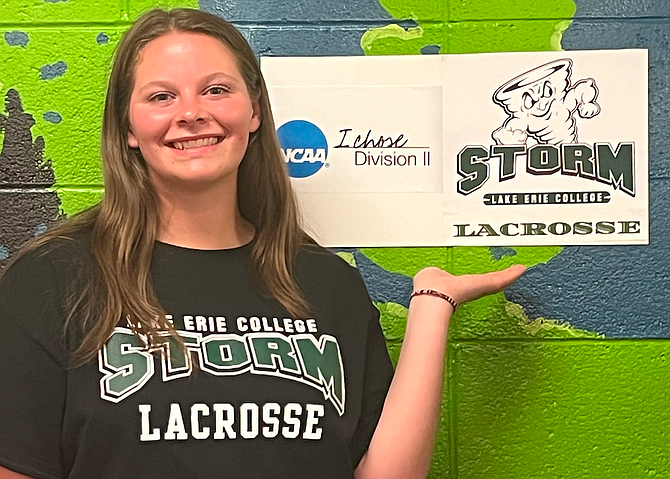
point(348, 257)
point(74, 200)
point(395, 40)
point(393, 318)
point(471, 26)
point(73, 145)
point(561, 409)
point(80, 11)
point(137, 7)
point(506, 36)
point(33, 11)
point(478, 10)
point(541, 328)
point(422, 11)
point(408, 261)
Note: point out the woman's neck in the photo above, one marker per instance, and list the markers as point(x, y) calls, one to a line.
point(204, 219)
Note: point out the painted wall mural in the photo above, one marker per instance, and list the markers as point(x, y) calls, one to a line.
point(555, 378)
point(26, 208)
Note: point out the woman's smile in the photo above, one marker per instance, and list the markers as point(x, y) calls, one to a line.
point(195, 143)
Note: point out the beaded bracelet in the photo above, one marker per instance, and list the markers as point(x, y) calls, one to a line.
point(432, 292)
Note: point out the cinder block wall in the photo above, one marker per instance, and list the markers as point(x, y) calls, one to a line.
point(564, 376)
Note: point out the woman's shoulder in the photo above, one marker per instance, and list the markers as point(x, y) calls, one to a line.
point(320, 266)
point(313, 256)
point(36, 289)
point(50, 258)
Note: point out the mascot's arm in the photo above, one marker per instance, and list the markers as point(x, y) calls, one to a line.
point(513, 132)
point(583, 97)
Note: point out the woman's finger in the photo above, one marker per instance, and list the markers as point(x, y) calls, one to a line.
point(478, 285)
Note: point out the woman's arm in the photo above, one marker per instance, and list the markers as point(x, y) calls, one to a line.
point(402, 444)
point(33, 370)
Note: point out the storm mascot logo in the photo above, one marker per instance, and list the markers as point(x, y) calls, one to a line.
point(541, 104)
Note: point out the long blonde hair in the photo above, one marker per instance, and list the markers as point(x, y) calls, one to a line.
point(123, 225)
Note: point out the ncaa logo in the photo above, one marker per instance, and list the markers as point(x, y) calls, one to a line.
point(304, 146)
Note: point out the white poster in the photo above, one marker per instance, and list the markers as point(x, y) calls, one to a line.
point(544, 148)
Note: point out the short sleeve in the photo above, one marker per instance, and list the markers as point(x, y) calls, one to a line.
point(377, 380)
point(32, 371)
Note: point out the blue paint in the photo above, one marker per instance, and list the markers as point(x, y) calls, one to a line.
point(383, 286)
point(323, 36)
point(273, 41)
point(40, 229)
point(298, 10)
point(655, 36)
point(618, 291)
point(49, 72)
point(52, 117)
point(430, 49)
point(499, 252)
point(16, 38)
point(623, 9)
point(102, 38)
point(4, 253)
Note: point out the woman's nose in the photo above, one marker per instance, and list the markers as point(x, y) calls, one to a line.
point(192, 111)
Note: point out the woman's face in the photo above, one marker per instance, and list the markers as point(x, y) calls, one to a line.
point(190, 112)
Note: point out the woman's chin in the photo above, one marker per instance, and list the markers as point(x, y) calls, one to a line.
point(196, 181)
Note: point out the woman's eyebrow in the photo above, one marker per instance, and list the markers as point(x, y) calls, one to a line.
point(167, 84)
point(156, 83)
point(213, 76)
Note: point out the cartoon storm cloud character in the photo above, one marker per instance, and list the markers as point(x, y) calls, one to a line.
point(541, 104)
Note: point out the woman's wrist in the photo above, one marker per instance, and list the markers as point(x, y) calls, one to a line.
point(430, 305)
point(434, 293)
point(437, 283)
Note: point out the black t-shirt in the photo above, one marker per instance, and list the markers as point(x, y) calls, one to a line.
point(262, 395)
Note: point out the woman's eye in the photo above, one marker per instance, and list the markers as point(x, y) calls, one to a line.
point(217, 90)
point(160, 97)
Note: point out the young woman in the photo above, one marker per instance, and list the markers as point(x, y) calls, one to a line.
point(187, 326)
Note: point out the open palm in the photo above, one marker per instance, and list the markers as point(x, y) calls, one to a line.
point(468, 286)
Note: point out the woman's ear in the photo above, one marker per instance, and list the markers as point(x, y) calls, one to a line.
point(132, 140)
point(255, 121)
